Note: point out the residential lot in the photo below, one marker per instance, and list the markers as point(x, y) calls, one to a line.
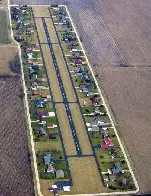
point(68, 118)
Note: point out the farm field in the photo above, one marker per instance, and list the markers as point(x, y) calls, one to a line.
point(7, 54)
point(15, 175)
point(4, 30)
point(129, 95)
point(68, 118)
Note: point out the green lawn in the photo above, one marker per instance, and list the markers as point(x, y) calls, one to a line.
point(53, 130)
point(51, 120)
point(95, 138)
point(60, 165)
point(48, 146)
point(88, 109)
point(76, 80)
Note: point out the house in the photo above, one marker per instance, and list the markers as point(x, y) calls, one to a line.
point(30, 61)
point(50, 169)
point(108, 141)
point(35, 47)
point(105, 146)
point(35, 92)
point(30, 55)
point(76, 55)
point(97, 111)
point(95, 128)
point(80, 74)
point(48, 159)
point(28, 50)
point(112, 151)
point(78, 70)
point(31, 71)
point(59, 174)
point(42, 132)
point(116, 169)
point(44, 96)
point(112, 177)
point(104, 133)
point(40, 103)
point(51, 125)
point(53, 135)
point(85, 90)
point(78, 61)
point(103, 124)
point(26, 23)
point(42, 122)
point(89, 94)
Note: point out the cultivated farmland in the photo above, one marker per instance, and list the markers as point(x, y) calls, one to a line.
point(4, 30)
point(15, 173)
point(128, 96)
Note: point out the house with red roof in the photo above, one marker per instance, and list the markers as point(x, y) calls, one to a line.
point(108, 141)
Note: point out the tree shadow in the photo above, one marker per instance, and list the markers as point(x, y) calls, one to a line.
point(15, 65)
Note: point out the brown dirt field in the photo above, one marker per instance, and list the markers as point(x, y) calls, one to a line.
point(65, 130)
point(40, 11)
point(51, 74)
point(129, 98)
point(64, 73)
point(129, 24)
point(3, 4)
point(15, 173)
point(6, 55)
point(85, 176)
point(40, 29)
point(51, 30)
point(80, 129)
